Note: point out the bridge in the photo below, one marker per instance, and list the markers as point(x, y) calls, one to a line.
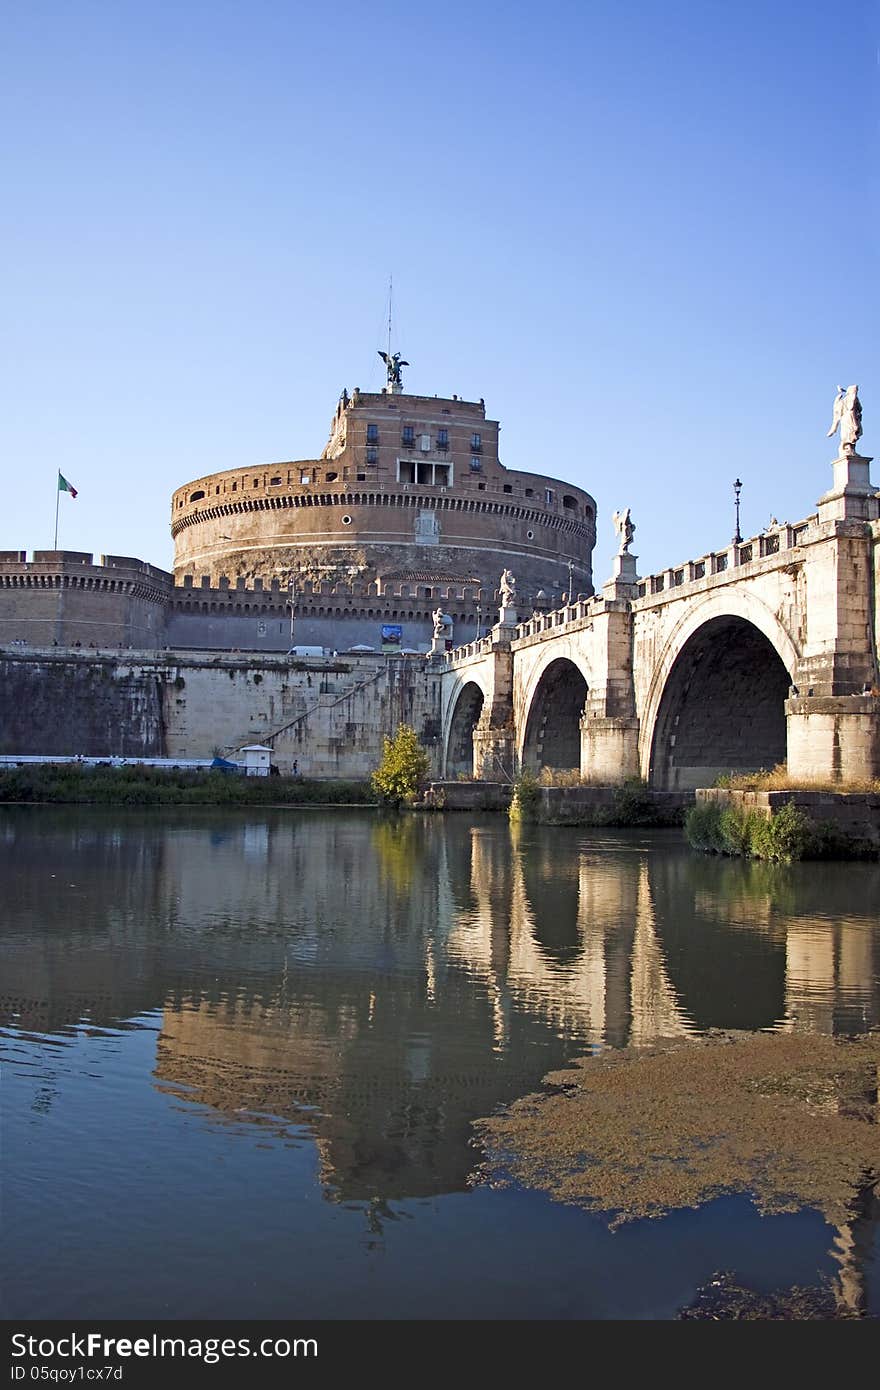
point(760, 653)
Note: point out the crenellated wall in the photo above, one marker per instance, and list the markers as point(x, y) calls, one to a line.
point(61, 597)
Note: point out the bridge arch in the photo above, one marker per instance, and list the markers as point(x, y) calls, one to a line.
point(716, 699)
point(550, 727)
point(465, 710)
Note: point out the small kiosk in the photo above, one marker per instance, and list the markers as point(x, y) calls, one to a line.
point(256, 758)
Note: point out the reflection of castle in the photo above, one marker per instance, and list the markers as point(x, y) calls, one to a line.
point(408, 507)
point(386, 985)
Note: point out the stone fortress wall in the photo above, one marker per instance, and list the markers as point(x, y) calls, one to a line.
point(327, 715)
point(62, 598)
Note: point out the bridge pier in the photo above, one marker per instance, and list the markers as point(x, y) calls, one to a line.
point(609, 748)
point(494, 752)
point(834, 737)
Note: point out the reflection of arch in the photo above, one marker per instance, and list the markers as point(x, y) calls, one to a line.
point(459, 742)
point(716, 701)
point(552, 732)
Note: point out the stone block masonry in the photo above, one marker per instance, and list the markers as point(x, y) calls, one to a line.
point(328, 716)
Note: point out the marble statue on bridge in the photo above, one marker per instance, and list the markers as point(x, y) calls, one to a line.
point(508, 589)
point(625, 529)
point(847, 417)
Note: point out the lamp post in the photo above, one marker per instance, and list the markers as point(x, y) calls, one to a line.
point(737, 489)
point(291, 600)
point(570, 582)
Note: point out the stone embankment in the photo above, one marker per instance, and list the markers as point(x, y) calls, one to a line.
point(851, 817)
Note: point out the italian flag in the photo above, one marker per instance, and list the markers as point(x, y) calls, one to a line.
point(65, 486)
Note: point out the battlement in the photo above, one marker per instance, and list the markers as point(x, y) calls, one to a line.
point(66, 569)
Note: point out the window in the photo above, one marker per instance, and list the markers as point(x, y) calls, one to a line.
point(443, 439)
point(346, 521)
point(362, 477)
point(425, 443)
point(406, 438)
point(273, 482)
point(235, 487)
point(570, 503)
point(256, 482)
point(548, 496)
point(196, 496)
point(507, 487)
point(428, 474)
point(331, 477)
point(372, 434)
point(476, 443)
point(530, 492)
point(372, 456)
point(476, 465)
point(305, 476)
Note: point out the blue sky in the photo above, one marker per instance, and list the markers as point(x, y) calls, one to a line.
point(645, 233)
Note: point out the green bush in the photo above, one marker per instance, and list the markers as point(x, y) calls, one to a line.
point(403, 770)
point(785, 837)
point(524, 802)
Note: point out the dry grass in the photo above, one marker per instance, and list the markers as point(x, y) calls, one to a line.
point(778, 780)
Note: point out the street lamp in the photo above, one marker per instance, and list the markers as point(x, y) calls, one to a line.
point(291, 600)
point(737, 489)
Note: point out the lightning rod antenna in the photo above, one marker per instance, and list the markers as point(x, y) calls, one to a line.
point(390, 288)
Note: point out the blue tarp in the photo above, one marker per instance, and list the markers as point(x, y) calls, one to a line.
point(223, 765)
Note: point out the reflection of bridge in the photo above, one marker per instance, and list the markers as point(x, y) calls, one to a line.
point(758, 654)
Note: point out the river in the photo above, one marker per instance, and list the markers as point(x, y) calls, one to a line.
point(243, 1052)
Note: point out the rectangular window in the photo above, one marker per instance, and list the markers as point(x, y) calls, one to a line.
point(443, 439)
point(548, 496)
point(305, 476)
point(407, 436)
point(428, 474)
point(372, 456)
point(425, 443)
point(476, 443)
point(372, 434)
point(476, 465)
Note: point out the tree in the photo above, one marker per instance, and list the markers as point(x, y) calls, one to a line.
point(403, 769)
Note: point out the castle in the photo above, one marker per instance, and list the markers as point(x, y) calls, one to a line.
point(407, 509)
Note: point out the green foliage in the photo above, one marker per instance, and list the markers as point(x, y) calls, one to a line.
point(633, 805)
point(403, 770)
point(525, 799)
point(133, 785)
point(785, 837)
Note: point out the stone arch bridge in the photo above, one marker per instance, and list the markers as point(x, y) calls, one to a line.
point(764, 652)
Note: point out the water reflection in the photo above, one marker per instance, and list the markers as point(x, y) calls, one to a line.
point(386, 983)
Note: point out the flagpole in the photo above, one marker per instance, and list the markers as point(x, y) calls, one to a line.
point(57, 500)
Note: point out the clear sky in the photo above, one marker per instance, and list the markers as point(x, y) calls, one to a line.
point(645, 232)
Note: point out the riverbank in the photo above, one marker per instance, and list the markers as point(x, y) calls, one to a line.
point(145, 786)
point(785, 825)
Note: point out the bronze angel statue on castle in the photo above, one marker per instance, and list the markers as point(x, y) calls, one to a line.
point(393, 363)
point(847, 417)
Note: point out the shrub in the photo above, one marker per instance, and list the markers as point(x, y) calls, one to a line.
point(787, 836)
point(524, 802)
point(403, 769)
